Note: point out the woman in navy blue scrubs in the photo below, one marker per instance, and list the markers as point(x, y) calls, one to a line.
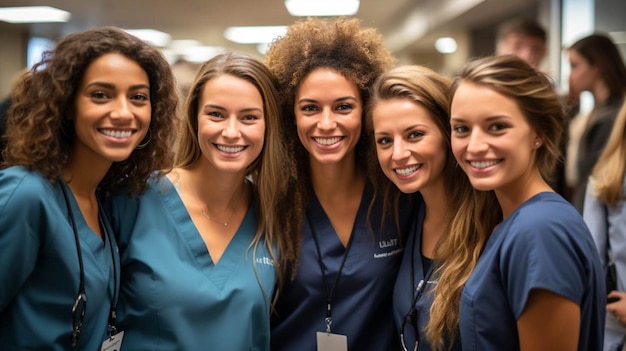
point(538, 282)
point(348, 257)
point(409, 118)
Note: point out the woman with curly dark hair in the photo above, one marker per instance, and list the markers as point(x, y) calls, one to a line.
point(95, 115)
point(347, 257)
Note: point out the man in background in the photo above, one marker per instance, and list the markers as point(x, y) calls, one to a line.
point(522, 37)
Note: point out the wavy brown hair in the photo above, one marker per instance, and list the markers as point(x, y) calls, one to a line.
point(267, 171)
point(40, 131)
point(480, 212)
point(429, 89)
point(340, 44)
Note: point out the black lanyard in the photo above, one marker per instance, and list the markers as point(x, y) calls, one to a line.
point(416, 291)
point(329, 292)
point(112, 330)
point(82, 296)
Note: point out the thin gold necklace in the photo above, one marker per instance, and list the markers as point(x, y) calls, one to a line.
point(215, 220)
point(225, 224)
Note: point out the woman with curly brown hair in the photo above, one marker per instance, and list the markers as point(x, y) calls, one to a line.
point(95, 115)
point(347, 257)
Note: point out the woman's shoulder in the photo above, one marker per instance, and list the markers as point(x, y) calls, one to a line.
point(546, 213)
point(21, 182)
point(24, 190)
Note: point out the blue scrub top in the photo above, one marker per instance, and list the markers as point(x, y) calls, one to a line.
point(361, 307)
point(39, 269)
point(543, 244)
point(402, 292)
point(173, 297)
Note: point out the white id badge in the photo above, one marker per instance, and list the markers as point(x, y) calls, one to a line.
point(114, 343)
point(331, 342)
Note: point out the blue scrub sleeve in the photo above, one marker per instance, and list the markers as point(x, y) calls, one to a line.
point(538, 255)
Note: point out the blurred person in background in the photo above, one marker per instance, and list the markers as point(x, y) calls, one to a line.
point(597, 67)
point(605, 214)
point(522, 37)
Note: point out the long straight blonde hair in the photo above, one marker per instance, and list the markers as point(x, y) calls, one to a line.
point(607, 177)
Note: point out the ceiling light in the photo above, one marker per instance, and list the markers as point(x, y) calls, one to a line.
point(322, 7)
point(153, 36)
point(201, 54)
point(33, 14)
point(446, 45)
point(254, 34)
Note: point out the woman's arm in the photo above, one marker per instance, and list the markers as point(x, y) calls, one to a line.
point(549, 322)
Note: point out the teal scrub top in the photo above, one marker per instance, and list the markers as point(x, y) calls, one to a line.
point(39, 269)
point(173, 297)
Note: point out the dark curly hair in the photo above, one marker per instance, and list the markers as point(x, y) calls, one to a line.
point(39, 129)
point(340, 44)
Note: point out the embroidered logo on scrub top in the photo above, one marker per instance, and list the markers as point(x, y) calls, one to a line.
point(265, 260)
point(391, 247)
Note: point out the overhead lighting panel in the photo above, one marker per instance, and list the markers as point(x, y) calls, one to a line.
point(156, 37)
point(446, 45)
point(254, 34)
point(33, 14)
point(305, 8)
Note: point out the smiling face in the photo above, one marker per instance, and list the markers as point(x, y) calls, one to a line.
point(328, 110)
point(231, 123)
point(491, 139)
point(112, 109)
point(409, 145)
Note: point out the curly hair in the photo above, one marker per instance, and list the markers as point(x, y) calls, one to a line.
point(340, 44)
point(40, 131)
point(266, 171)
point(479, 211)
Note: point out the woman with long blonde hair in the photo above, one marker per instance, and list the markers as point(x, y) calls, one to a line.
point(535, 280)
point(605, 214)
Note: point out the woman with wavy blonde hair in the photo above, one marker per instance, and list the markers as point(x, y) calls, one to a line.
point(536, 280)
point(408, 116)
point(605, 214)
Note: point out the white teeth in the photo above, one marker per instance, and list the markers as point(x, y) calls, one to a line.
point(406, 171)
point(230, 149)
point(483, 164)
point(327, 141)
point(120, 134)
